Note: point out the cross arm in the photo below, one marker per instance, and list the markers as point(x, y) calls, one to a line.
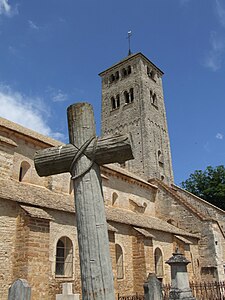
point(56, 160)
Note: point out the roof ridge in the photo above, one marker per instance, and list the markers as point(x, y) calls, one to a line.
point(181, 199)
point(198, 198)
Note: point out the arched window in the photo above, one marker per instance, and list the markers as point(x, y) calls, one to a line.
point(124, 72)
point(152, 75)
point(131, 95)
point(23, 174)
point(158, 263)
point(64, 257)
point(160, 158)
point(117, 75)
point(114, 198)
point(111, 78)
point(129, 70)
point(119, 262)
point(126, 97)
point(113, 103)
point(118, 101)
point(154, 99)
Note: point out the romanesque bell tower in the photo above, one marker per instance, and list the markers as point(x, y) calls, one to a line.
point(132, 101)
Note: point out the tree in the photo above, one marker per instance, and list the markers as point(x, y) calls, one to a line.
point(208, 185)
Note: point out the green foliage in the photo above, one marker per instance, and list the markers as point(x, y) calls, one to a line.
point(208, 185)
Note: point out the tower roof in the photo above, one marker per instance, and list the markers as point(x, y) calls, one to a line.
point(130, 57)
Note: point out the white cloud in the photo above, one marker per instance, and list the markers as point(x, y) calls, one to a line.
point(25, 111)
point(5, 8)
point(214, 57)
point(219, 136)
point(220, 11)
point(32, 25)
point(57, 95)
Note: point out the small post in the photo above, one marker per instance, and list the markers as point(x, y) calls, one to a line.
point(129, 34)
point(180, 288)
point(19, 290)
point(153, 288)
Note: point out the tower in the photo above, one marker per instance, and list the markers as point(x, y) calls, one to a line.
point(132, 101)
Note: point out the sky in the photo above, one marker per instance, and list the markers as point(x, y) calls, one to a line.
point(52, 51)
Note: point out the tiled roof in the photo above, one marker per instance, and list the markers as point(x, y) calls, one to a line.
point(28, 194)
point(129, 57)
point(28, 132)
point(36, 212)
point(140, 220)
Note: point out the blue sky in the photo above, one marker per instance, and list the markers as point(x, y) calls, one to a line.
point(52, 51)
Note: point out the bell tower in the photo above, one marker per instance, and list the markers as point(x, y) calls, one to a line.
point(132, 101)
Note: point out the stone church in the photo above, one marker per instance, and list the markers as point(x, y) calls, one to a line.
point(148, 216)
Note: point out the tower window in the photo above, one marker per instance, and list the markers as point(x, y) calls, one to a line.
point(160, 158)
point(151, 73)
point(118, 101)
point(117, 75)
point(153, 99)
point(126, 97)
point(112, 78)
point(113, 102)
point(131, 94)
point(124, 72)
point(129, 70)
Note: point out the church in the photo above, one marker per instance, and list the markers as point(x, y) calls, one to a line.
point(148, 216)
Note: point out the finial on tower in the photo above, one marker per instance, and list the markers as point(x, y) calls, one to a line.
point(129, 34)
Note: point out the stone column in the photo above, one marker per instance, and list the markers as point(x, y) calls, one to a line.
point(180, 288)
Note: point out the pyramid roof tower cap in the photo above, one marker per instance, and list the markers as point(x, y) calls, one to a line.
point(129, 58)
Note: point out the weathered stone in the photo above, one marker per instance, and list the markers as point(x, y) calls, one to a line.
point(153, 288)
point(19, 290)
point(95, 262)
point(67, 293)
point(180, 288)
point(140, 111)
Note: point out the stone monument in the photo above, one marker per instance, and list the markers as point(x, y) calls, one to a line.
point(180, 288)
point(153, 288)
point(19, 290)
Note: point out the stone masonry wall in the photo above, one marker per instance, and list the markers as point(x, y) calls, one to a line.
point(31, 260)
point(8, 216)
point(63, 225)
point(171, 210)
point(139, 262)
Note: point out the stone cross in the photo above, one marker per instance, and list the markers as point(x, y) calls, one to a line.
point(19, 290)
point(67, 293)
point(95, 261)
